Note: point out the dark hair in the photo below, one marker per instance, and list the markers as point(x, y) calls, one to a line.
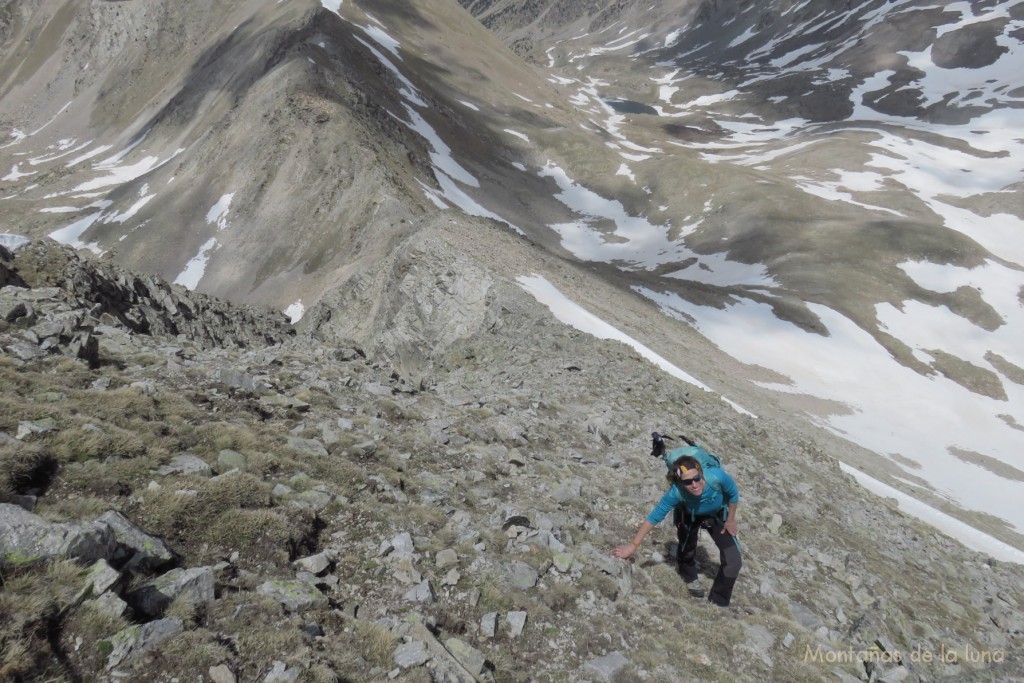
point(686, 463)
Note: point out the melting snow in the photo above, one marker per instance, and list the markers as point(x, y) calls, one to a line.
point(196, 267)
point(218, 213)
point(571, 313)
point(295, 311)
point(13, 242)
point(71, 234)
point(15, 174)
point(516, 133)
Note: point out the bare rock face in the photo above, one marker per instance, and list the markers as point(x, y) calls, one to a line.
point(47, 280)
point(8, 276)
point(425, 301)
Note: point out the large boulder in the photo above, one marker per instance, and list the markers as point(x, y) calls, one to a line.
point(144, 552)
point(195, 584)
point(26, 538)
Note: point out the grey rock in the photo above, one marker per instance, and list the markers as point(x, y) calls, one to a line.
point(606, 563)
point(421, 592)
point(308, 446)
point(568, 491)
point(312, 500)
point(804, 616)
point(606, 668)
point(516, 520)
point(489, 625)
point(195, 584)
point(285, 402)
point(137, 640)
point(236, 379)
point(548, 540)
point(222, 674)
point(294, 595)
point(147, 388)
point(24, 352)
point(402, 544)
point(228, 459)
point(110, 603)
point(11, 310)
point(562, 561)
point(363, 449)
point(25, 502)
point(317, 564)
point(522, 575)
point(102, 577)
point(28, 538)
point(411, 654)
point(282, 673)
point(468, 656)
point(280, 491)
point(186, 463)
point(516, 623)
point(28, 430)
point(895, 675)
point(451, 578)
point(148, 552)
point(759, 642)
point(446, 558)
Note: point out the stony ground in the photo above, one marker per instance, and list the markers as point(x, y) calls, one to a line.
point(235, 501)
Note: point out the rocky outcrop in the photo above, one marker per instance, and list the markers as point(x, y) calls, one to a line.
point(63, 280)
point(412, 312)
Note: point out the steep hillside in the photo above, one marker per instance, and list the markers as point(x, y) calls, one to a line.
point(295, 511)
point(810, 209)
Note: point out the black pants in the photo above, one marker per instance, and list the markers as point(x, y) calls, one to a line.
point(728, 548)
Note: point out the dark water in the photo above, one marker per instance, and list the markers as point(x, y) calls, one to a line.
point(631, 107)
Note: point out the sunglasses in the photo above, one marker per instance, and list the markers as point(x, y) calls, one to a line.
point(687, 482)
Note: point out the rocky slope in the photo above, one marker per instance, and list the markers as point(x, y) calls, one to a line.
point(836, 168)
point(424, 483)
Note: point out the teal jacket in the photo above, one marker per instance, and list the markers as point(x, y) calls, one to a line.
point(720, 491)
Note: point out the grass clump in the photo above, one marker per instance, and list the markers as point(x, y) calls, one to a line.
point(32, 605)
point(84, 629)
point(213, 510)
point(24, 466)
point(261, 536)
point(375, 643)
point(89, 442)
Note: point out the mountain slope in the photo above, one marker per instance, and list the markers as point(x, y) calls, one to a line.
point(823, 191)
point(298, 507)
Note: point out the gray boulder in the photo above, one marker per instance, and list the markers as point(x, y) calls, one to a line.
point(294, 595)
point(186, 463)
point(195, 584)
point(147, 553)
point(137, 640)
point(28, 538)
